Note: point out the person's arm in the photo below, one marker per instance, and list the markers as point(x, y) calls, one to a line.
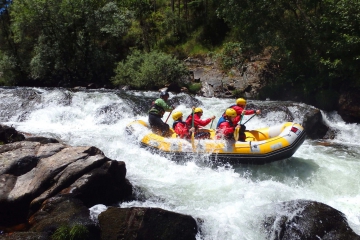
point(200, 122)
point(249, 112)
point(164, 105)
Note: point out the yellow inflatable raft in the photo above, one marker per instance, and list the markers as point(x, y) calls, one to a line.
point(261, 146)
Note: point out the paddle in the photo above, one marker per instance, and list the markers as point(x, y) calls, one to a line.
point(168, 116)
point(193, 133)
point(250, 118)
point(236, 132)
point(211, 123)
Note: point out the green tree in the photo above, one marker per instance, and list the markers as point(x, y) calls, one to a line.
point(151, 70)
point(315, 43)
point(69, 41)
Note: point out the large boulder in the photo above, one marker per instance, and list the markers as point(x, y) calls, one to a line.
point(31, 172)
point(59, 212)
point(307, 220)
point(146, 223)
point(349, 105)
point(314, 125)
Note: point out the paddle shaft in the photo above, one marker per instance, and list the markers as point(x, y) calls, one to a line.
point(168, 116)
point(236, 131)
point(193, 133)
point(249, 119)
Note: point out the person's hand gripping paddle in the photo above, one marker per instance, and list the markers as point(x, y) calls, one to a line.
point(237, 128)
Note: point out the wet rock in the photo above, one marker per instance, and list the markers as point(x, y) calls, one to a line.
point(305, 220)
point(25, 236)
point(105, 184)
point(31, 172)
point(63, 211)
point(185, 99)
point(313, 124)
point(42, 140)
point(349, 106)
point(9, 135)
point(146, 223)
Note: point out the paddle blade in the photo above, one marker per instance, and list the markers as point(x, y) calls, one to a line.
point(193, 141)
point(236, 134)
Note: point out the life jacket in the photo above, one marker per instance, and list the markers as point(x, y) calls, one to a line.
point(222, 119)
point(176, 122)
point(158, 109)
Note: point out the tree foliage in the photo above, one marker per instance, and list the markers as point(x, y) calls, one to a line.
point(68, 40)
point(316, 43)
point(151, 70)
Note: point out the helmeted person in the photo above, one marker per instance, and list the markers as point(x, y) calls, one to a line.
point(198, 122)
point(180, 127)
point(226, 125)
point(240, 109)
point(156, 112)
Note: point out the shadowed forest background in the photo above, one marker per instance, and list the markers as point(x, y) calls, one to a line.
point(314, 45)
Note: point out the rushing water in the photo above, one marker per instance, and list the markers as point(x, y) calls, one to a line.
point(231, 201)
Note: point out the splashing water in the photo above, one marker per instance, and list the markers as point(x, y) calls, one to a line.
point(231, 201)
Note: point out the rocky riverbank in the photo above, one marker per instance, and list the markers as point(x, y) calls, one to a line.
point(47, 188)
point(254, 76)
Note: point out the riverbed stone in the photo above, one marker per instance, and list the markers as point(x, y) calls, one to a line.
point(9, 135)
point(307, 220)
point(32, 172)
point(146, 223)
point(61, 211)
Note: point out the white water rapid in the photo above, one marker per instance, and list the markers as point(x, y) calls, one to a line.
point(231, 201)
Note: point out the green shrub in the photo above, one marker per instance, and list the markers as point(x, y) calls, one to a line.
point(194, 87)
point(77, 232)
point(151, 70)
point(238, 93)
point(230, 56)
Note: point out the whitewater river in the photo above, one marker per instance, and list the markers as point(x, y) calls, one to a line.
point(228, 202)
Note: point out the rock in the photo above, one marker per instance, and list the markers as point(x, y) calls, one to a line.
point(217, 83)
point(9, 135)
point(42, 140)
point(313, 124)
point(63, 211)
point(146, 223)
point(349, 105)
point(187, 100)
point(25, 236)
point(305, 220)
point(31, 172)
point(105, 184)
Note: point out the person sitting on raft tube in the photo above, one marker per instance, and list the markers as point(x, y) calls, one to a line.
point(226, 126)
point(198, 122)
point(240, 111)
point(180, 127)
point(158, 108)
